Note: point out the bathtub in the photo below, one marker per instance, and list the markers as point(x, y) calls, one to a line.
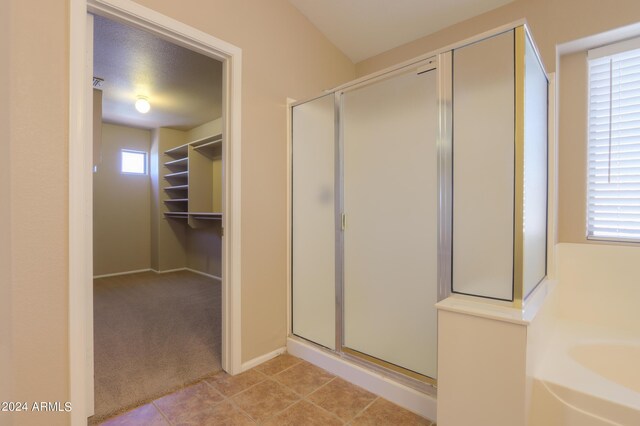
point(587, 377)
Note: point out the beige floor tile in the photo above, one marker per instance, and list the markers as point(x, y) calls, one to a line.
point(265, 400)
point(342, 398)
point(145, 415)
point(278, 364)
point(229, 385)
point(383, 412)
point(304, 413)
point(189, 401)
point(223, 414)
point(304, 378)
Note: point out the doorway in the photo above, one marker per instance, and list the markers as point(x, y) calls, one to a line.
point(81, 190)
point(157, 194)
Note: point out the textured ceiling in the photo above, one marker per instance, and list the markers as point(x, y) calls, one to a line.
point(183, 87)
point(365, 28)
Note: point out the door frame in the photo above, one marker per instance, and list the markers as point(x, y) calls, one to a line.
point(81, 183)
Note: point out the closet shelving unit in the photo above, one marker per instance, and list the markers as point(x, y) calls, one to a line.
point(192, 186)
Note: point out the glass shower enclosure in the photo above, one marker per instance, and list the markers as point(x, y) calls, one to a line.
point(412, 185)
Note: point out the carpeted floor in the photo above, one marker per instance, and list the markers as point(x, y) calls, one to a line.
point(153, 333)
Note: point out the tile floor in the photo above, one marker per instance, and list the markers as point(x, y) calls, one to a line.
point(283, 391)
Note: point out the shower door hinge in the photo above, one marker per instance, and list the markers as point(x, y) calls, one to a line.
point(343, 221)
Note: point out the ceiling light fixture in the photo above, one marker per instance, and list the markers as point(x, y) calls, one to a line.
point(142, 105)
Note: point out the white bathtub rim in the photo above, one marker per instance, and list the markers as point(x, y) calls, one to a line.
point(559, 368)
point(572, 406)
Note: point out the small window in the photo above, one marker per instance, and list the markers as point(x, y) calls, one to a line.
point(133, 162)
point(614, 143)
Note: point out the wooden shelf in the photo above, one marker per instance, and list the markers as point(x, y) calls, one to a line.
point(206, 215)
point(194, 178)
point(176, 215)
point(194, 215)
point(179, 151)
point(182, 150)
point(177, 162)
point(177, 175)
point(210, 149)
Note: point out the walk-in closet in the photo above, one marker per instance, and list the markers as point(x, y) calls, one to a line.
point(157, 216)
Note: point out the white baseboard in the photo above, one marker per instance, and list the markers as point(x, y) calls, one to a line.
point(262, 358)
point(168, 270)
point(404, 396)
point(215, 277)
point(121, 273)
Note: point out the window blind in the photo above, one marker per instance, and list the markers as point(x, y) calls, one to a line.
point(614, 147)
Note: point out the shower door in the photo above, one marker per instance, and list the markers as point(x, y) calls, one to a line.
point(313, 221)
point(390, 221)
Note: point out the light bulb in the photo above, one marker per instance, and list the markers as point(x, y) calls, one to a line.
point(142, 105)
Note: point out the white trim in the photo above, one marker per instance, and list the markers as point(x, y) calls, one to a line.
point(80, 214)
point(80, 181)
point(552, 215)
point(137, 271)
point(598, 40)
point(215, 277)
point(115, 274)
point(289, 163)
point(262, 359)
point(404, 396)
point(612, 49)
point(433, 53)
point(168, 270)
point(485, 308)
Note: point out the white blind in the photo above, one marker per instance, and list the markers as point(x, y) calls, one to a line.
point(614, 147)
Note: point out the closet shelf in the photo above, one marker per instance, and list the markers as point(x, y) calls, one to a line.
point(177, 162)
point(193, 180)
point(177, 174)
point(210, 148)
point(182, 150)
point(205, 215)
point(176, 215)
point(194, 215)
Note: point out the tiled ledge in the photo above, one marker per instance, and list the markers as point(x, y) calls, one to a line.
point(485, 308)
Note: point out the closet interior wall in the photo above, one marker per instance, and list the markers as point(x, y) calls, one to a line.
point(175, 243)
point(131, 231)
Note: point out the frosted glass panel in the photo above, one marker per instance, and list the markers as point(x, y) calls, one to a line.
point(313, 221)
point(483, 168)
point(535, 171)
point(390, 240)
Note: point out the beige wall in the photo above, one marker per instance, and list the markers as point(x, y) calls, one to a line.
point(121, 205)
point(572, 148)
point(38, 202)
point(204, 248)
point(210, 128)
point(5, 219)
point(168, 236)
point(154, 220)
point(551, 21)
point(283, 56)
point(204, 244)
point(97, 127)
